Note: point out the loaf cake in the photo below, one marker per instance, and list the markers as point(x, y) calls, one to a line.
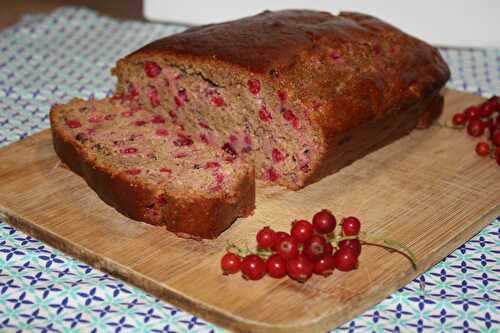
point(150, 169)
point(288, 97)
point(302, 93)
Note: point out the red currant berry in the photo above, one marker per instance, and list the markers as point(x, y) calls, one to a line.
point(475, 128)
point(324, 222)
point(345, 259)
point(266, 238)
point(217, 101)
point(253, 267)
point(325, 265)
point(482, 149)
point(493, 128)
point(498, 160)
point(287, 248)
point(253, 86)
point(152, 69)
point(301, 230)
point(280, 235)
point(354, 244)
point(351, 226)
point(314, 248)
point(472, 112)
point(486, 110)
point(276, 266)
point(299, 268)
point(328, 249)
point(495, 138)
point(497, 152)
point(496, 104)
point(71, 123)
point(230, 263)
point(459, 119)
point(494, 101)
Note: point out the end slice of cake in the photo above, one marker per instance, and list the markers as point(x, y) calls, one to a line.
point(150, 169)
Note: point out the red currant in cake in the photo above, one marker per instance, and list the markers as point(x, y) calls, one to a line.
point(253, 86)
point(152, 69)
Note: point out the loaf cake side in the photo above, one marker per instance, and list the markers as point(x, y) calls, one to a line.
point(286, 88)
point(128, 168)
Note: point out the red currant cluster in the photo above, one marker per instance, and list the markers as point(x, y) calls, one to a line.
point(308, 248)
point(479, 119)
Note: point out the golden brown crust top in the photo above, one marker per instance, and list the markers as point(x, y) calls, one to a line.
point(350, 68)
point(258, 43)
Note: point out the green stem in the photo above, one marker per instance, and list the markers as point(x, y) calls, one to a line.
point(391, 244)
point(386, 243)
point(341, 238)
point(492, 151)
point(242, 252)
point(235, 249)
point(446, 125)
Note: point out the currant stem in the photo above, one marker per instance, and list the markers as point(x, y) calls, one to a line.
point(446, 125)
point(390, 244)
point(386, 243)
point(492, 153)
point(236, 249)
point(263, 253)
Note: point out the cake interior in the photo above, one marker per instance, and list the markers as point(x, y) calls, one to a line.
point(243, 116)
point(145, 147)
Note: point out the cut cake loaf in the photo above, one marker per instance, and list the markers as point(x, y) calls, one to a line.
point(303, 93)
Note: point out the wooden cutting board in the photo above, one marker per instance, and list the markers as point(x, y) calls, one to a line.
point(429, 190)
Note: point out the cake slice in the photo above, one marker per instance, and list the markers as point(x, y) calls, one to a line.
point(300, 92)
point(151, 169)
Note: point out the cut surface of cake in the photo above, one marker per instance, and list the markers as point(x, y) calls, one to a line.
point(150, 169)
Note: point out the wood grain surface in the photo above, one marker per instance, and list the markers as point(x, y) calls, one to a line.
point(429, 190)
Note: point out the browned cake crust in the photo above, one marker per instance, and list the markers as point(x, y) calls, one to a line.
point(370, 136)
point(362, 82)
point(188, 216)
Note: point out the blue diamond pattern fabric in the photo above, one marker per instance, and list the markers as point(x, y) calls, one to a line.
point(51, 58)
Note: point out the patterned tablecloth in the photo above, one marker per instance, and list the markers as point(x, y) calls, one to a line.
point(44, 59)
